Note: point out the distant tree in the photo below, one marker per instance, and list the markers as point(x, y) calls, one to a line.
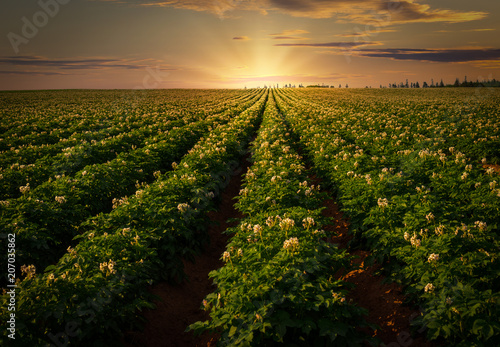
point(417, 85)
point(340, 85)
point(425, 85)
point(346, 85)
point(441, 84)
point(457, 83)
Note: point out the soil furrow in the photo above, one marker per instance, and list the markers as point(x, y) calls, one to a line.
point(384, 301)
point(179, 305)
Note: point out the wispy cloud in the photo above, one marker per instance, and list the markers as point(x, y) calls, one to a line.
point(330, 44)
point(80, 63)
point(291, 32)
point(359, 11)
point(479, 30)
point(32, 73)
point(366, 33)
point(465, 30)
point(217, 7)
point(487, 64)
point(290, 35)
point(241, 38)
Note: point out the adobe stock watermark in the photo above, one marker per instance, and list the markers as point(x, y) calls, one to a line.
point(11, 285)
point(31, 26)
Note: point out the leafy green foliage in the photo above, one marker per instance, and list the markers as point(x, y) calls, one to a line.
point(411, 182)
point(278, 284)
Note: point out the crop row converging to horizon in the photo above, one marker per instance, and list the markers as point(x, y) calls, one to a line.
point(107, 192)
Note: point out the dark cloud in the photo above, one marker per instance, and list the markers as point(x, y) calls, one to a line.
point(433, 55)
point(329, 44)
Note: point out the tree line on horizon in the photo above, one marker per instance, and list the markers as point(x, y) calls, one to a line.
point(467, 84)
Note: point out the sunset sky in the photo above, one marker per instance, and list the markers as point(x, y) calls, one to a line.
point(66, 44)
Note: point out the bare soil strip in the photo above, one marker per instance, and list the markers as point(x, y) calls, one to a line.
point(180, 304)
point(384, 301)
point(493, 166)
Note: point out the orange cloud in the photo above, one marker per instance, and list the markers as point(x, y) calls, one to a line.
point(369, 32)
point(291, 32)
point(290, 35)
point(381, 12)
point(241, 38)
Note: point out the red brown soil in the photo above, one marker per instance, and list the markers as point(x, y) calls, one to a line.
point(384, 301)
point(179, 305)
point(493, 166)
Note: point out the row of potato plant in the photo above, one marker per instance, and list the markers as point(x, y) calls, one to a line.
point(27, 153)
point(430, 216)
point(96, 288)
point(105, 125)
point(464, 119)
point(278, 284)
point(46, 218)
point(73, 158)
point(46, 117)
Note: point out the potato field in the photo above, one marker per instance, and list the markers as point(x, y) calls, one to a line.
point(106, 194)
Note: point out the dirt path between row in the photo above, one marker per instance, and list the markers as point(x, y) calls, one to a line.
point(384, 301)
point(180, 304)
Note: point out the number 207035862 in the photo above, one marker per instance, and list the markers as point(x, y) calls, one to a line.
point(11, 254)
